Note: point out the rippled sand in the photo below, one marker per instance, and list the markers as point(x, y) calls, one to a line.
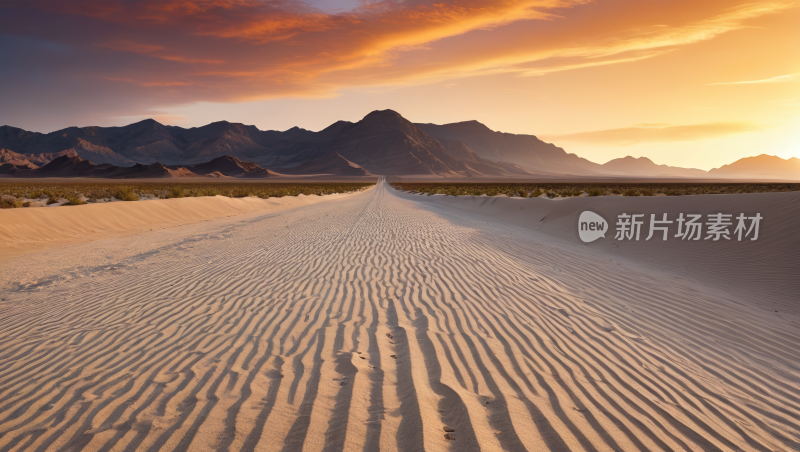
point(377, 322)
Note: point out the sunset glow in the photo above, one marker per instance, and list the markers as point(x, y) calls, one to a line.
point(694, 84)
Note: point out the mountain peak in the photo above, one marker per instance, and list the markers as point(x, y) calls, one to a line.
point(473, 123)
point(297, 131)
point(149, 122)
point(383, 113)
point(226, 158)
point(469, 125)
point(629, 158)
point(384, 116)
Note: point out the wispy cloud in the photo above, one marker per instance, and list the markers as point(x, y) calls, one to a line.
point(586, 64)
point(153, 83)
point(778, 79)
point(619, 40)
point(649, 133)
point(153, 50)
point(184, 51)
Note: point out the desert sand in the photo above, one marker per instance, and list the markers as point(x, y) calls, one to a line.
point(390, 321)
point(765, 269)
point(24, 231)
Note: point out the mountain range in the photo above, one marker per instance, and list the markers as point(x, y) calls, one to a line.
point(383, 142)
point(761, 166)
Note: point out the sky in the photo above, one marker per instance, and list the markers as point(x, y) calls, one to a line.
point(682, 82)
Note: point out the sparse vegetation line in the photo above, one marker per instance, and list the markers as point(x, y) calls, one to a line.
point(553, 190)
point(33, 194)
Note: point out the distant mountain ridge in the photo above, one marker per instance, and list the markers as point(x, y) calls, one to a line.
point(232, 167)
point(332, 163)
point(70, 165)
point(761, 166)
point(645, 167)
point(11, 162)
point(73, 166)
point(383, 142)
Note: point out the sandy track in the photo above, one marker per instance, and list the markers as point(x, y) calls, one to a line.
point(373, 322)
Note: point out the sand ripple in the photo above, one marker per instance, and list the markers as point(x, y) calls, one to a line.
point(377, 323)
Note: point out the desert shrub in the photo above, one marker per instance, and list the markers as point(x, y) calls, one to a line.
point(146, 190)
point(9, 203)
point(207, 191)
point(125, 194)
point(575, 189)
point(73, 201)
point(94, 194)
point(52, 198)
point(175, 192)
point(239, 193)
point(95, 191)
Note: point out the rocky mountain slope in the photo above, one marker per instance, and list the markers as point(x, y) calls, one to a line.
point(527, 151)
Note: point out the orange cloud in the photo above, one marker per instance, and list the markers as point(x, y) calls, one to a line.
point(183, 59)
point(150, 84)
point(649, 133)
point(130, 46)
point(612, 38)
point(260, 49)
point(153, 50)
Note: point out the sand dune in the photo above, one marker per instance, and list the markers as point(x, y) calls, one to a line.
point(765, 269)
point(380, 322)
point(24, 231)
